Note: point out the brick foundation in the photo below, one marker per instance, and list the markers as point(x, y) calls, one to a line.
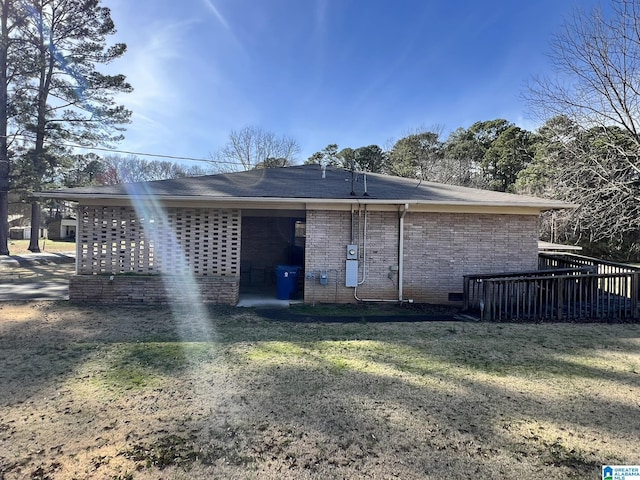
point(153, 289)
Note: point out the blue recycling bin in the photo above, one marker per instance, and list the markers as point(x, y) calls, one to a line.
point(287, 281)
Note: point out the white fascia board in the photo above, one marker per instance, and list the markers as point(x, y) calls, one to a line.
point(312, 203)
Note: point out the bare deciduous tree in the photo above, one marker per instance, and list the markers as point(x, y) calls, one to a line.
point(596, 61)
point(596, 87)
point(116, 170)
point(252, 147)
point(585, 167)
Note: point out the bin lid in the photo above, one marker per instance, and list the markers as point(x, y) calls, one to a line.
point(289, 268)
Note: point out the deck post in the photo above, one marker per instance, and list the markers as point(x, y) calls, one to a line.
point(634, 295)
point(465, 293)
point(486, 301)
point(560, 298)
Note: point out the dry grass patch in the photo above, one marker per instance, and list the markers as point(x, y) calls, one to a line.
point(141, 393)
point(51, 268)
point(21, 247)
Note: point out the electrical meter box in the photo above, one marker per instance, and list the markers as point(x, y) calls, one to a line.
point(352, 252)
point(351, 270)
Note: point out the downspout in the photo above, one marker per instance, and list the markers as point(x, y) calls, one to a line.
point(364, 248)
point(401, 251)
point(352, 235)
point(78, 245)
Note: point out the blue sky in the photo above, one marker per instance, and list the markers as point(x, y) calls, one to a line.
point(351, 72)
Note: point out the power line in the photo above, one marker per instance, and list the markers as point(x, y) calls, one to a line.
point(141, 154)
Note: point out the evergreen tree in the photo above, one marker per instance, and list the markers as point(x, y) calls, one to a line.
point(8, 62)
point(66, 98)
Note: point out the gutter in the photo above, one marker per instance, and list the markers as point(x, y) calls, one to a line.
point(329, 201)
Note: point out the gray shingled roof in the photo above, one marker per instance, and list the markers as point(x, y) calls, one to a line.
point(304, 183)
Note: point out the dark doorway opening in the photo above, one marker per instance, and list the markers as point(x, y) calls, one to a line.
point(270, 239)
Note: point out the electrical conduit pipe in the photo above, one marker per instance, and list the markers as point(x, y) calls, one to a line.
point(400, 261)
point(401, 251)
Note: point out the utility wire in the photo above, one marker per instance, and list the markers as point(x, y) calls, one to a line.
point(143, 154)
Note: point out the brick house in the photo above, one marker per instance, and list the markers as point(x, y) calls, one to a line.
point(354, 236)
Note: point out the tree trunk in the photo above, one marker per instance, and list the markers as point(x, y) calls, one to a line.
point(47, 62)
point(35, 228)
point(4, 151)
point(4, 224)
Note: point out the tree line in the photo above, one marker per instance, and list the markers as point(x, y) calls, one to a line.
point(595, 168)
point(586, 151)
point(489, 155)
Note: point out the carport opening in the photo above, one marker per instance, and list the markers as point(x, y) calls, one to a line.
point(270, 239)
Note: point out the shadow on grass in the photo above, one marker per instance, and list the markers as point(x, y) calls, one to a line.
point(58, 337)
point(37, 351)
point(422, 398)
point(415, 431)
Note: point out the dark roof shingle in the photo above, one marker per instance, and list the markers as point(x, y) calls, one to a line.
point(305, 182)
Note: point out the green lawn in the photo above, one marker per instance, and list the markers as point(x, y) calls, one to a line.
point(20, 247)
point(126, 392)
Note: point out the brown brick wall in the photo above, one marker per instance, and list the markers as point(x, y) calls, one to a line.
point(328, 234)
point(143, 289)
point(439, 249)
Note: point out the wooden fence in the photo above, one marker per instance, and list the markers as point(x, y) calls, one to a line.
point(584, 289)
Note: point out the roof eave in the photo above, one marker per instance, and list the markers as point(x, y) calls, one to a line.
point(354, 201)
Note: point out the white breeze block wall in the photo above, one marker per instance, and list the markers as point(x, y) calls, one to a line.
point(179, 240)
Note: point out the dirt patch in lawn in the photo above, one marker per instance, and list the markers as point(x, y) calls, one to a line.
point(160, 392)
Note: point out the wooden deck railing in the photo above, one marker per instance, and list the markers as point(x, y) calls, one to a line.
point(572, 260)
point(584, 289)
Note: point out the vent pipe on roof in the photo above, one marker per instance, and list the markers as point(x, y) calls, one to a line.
point(366, 194)
point(324, 171)
point(353, 179)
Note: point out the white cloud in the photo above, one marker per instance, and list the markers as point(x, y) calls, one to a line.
point(223, 21)
point(230, 34)
point(150, 64)
point(152, 67)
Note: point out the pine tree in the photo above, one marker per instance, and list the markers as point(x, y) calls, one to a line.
point(66, 99)
point(4, 151)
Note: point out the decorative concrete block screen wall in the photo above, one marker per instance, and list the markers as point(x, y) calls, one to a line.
point(439, 248)
point(179, 243)
point(180, 240)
